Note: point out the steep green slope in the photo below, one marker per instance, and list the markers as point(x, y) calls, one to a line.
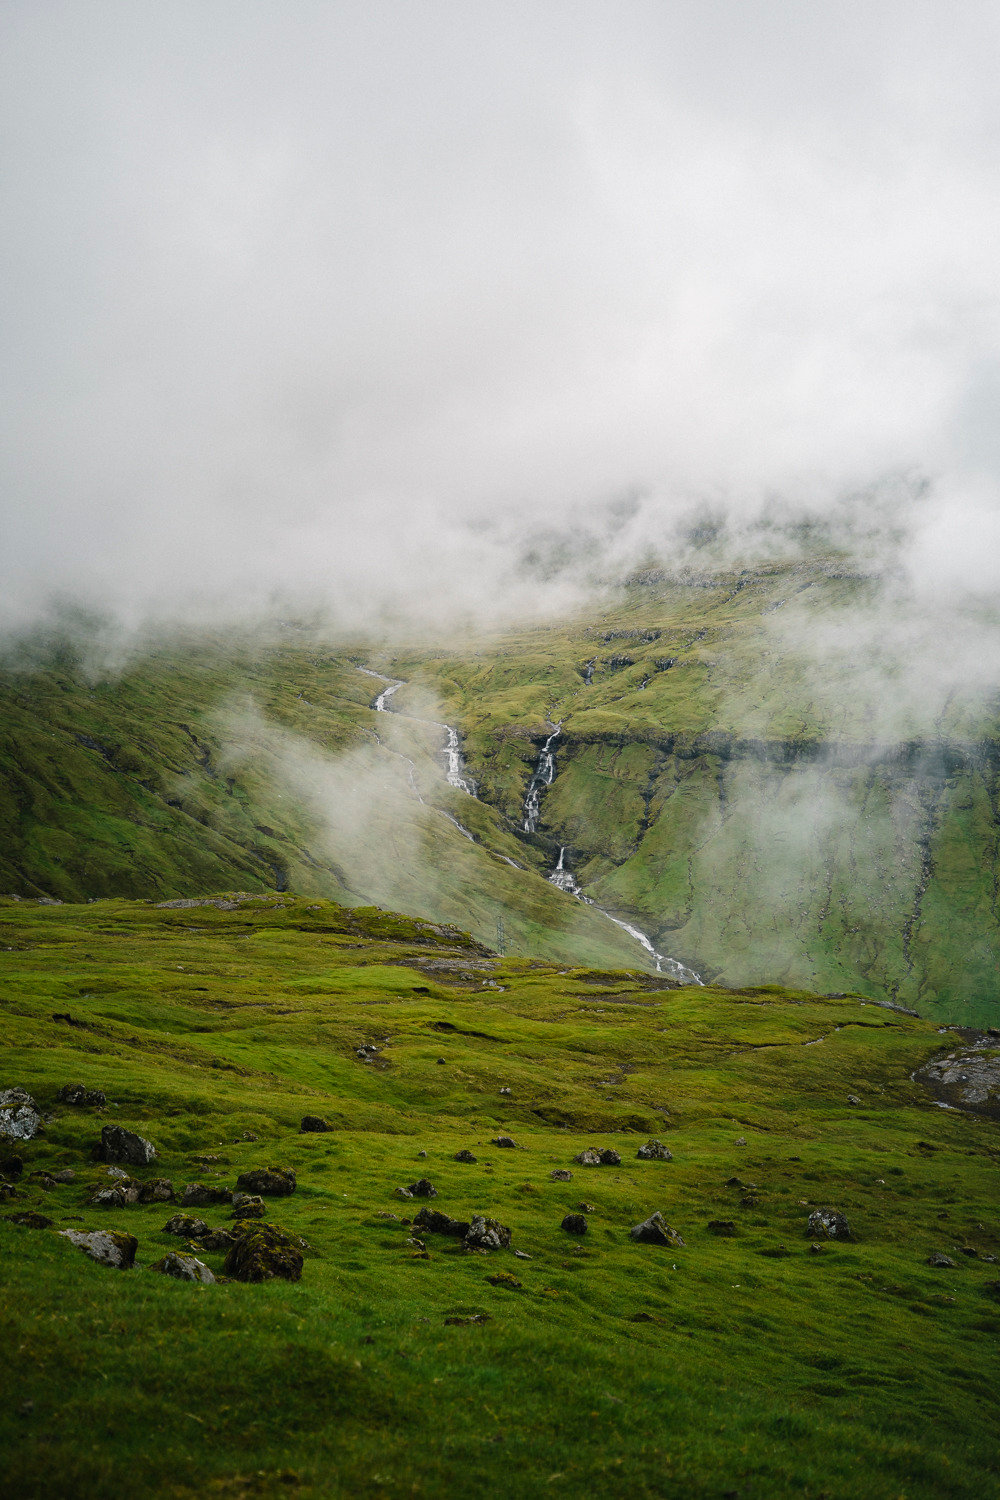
point(767, 807)
point(741, 1361)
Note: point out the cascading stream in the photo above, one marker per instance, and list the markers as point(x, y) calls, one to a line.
point(564, 878)
point(454, 765)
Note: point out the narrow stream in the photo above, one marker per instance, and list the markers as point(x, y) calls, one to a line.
point(451, 750)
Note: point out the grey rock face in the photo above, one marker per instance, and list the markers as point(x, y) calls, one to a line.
point(487, 1234)
point(654, 1151)
point(656, 1231)
point(184, 1268)
point(120, 1145)
point(20, 1119)
point(106, 1246)
point(828, 1224)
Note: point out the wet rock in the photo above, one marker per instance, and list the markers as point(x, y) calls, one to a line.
point(184, 1268)
point(724, 1228)
point(314, 1125)
point(465, 1156)
point(120, 1145)
point(78, 1094)
point(30, 1220)
point(20, 1119)
point(432, 1221)
point(272, 1182)
point(11, 1167)
point(656, 1231)
point(941, 1262)
point(186, 1226)
point(828, 1224)
point(422, 1189)
point(655, 1151)
point(248, 1206)
point(560, 1174)
point(200, 1194)
point(506, 1141)
point(263, 1253)
point(107, 1246)
point(487, 1234)
point(574, 1224)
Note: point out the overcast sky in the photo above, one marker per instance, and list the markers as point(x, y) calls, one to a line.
point(341, 297)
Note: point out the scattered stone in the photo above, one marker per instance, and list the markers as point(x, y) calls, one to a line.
point(522, 1254)
point(574, 1224)
point(248, 1206)
point(65, 1175)
point(505, 1279)
point(504, 1140)
point(560, 1174)
point(314, 1125)
point(273, 1182)
point(184, 1268)
point(585, 1208)
point(402, 1192)
point(734, 1182)
point(828, 1224)
point(223, 1239)
point(44, 1181)
point(591, 1156)
point(200, 1194)
point(11, 1167)
point(7, 1190)
point(77, 1093)
point(463, 1322)
point(263, 1253)
point(422, 1189)
point(415, 1244)
point(107, 1246)
point(120, 1145)
point(432, 1221)
point(941, 1262)
point(505, 1091)
point(121, 1195)
point(487, 1234)
point(442, 1062)
point(156, 1190)
point(29, 1220)
point(185, 1225)
point(656, 1231)
point(117, 1172)
point(655, 1151)
point(742, 1141)
point(383, 1215)
point(465, 1156)
point(853, 1100)
point(817, 1249)
point(724, 1228)
point(421, 1154)
point(20, 1119)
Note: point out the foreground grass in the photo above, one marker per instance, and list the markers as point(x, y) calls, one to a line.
point(756, 1366)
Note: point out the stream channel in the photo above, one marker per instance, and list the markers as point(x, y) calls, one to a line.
point(542, 777)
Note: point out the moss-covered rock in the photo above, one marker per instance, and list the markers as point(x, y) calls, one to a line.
point(107, 1246)
point(184, 1268)
point(263, 1253)
point(272, 1182)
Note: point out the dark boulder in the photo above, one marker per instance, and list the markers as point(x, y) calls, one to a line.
point(465, 1156)
point(120, 1145)
point(11, 1167)
point(593, 1156)
point(272, 1182)
point(263, 1253)
point(314, 1125)
point(422, 1189)
point(248, 1206)
point(201, 1194)
point(505, 1141)
point(574, 1224)
point(184, 1224)
point(560, 1174)
point(654, 1151)
point(30, 1220)
point(828, 1224)
point(77, 1093)
point(487, 1234)
point(184, 1268)
point(656, 1231)
point(432, 1221)
point(941, 1262)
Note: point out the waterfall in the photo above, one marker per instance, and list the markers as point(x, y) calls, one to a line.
point(454, 764)
point(543, 775)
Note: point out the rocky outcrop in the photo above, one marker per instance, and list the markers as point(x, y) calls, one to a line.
point(120, 1145)
point(263, 1253)
point(967, 1079)
point(654, 1151)
point(487, 1234)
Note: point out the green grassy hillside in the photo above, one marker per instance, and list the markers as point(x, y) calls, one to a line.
point(740, 1363)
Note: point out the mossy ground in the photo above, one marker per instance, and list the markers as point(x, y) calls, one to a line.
point(855, 1371)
